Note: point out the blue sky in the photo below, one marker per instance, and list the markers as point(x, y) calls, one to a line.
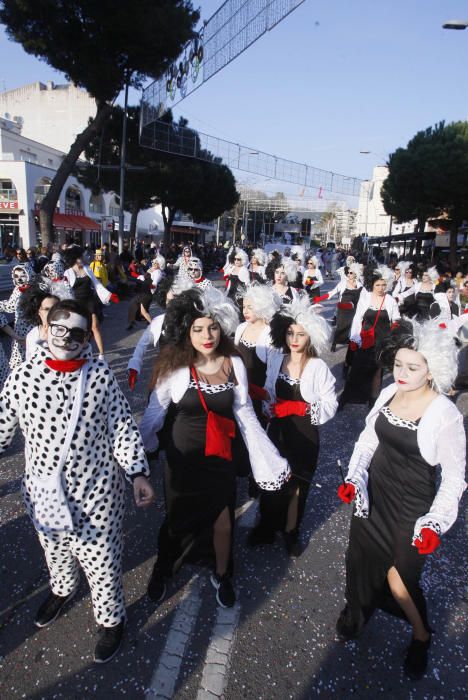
point(332, 79)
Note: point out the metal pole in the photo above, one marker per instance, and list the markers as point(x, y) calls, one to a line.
point(123, 148)
point(217, 231)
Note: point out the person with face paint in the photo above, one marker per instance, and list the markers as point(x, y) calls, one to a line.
point(301, 396)
point(195, 274)
point(400, 513)
point(376, 311)
point(22, 276)
point(73, 484)
point(200, 384)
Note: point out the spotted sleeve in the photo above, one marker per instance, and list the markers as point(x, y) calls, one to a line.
point(124, 435)
point(9, 417)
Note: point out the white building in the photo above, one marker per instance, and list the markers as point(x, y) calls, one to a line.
point(26, 171)
point(345, 223)
point(49, 114)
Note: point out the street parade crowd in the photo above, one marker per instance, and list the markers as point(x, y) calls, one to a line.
point(239, 389)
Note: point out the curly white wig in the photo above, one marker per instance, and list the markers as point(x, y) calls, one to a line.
point(403, 265)
point(436, 344)
point(240, 253)
point(160, 260)
point(358, 270)
point(433, 274)
point(260, 255)
point(265, 301)
point(387, 274)
point(180, 284)
point(290, 269)
point(302, 313)
point(220, 308)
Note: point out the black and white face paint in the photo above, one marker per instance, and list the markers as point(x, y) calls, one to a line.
point(20, 277)
point(66, 337)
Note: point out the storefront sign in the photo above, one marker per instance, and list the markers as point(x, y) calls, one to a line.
point(8, 205)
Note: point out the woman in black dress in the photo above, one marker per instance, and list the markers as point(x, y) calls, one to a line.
point(198, 371)
point(301, 391)
point(424, 295)
point(87, 290)
point(312, 279)
point(376, 312)
point(282, 274)
point(400, 514)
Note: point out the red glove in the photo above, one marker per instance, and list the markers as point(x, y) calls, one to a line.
point(132, 377)
point(289, 408)
point(317, 300)
point(427, 542)
point(114, 298)
point(347, 492)
point(353, 346)
point(135, 275)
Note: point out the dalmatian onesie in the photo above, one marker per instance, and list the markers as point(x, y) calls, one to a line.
point(22, 275)
point(4, 367)
point(91, 486)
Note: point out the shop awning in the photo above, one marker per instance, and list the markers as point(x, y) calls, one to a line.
point(62, 221)
point(84, 222)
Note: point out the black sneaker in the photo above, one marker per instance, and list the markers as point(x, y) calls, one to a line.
point(292, 543)
point(416, 658)
point(51, 608)
point(225, 594)
point(109, 643)
point(157, 586)
point(259, 536)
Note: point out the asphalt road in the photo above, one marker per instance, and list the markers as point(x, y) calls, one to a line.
point(277, 643)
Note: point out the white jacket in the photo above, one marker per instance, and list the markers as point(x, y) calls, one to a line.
point(390, 306)
point(340, 288)
point(151, 335)
point(317, 274)
point(441, 441)
point(270, 470)
point(317, 387)
point(263, 344)
point(103, 293)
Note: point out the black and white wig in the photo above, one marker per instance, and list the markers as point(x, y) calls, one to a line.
point(287, 264)
point(31, 299)
point(435, 343)
point(265, 301)
point(300, 312)
point(372, 274)
point(193, 304)
point(169, 283)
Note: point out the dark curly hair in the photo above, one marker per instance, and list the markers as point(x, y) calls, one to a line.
point(279, 325)
point(71, 255)
point(370, 277)
point(30, 302)
point(401, 336)
point(272, 266)
point(164, 286)
point(178, 350)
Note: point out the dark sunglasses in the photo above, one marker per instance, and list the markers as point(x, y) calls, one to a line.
point(76, 334)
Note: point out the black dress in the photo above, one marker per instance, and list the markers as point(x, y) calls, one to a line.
point(84, 293)
point(401, 489)
point(358, 387)
point(344, 317)
point(256, 372)
point(297, 441)
point(423, 304)
point(197, 488)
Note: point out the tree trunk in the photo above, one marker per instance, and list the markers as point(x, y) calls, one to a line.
point(49, 203)
point(453, 245)
point(135, 210)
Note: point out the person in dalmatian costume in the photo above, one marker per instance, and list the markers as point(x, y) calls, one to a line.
point(4, 366)
point(22, 276)
point(73, 485)
point(195, 274)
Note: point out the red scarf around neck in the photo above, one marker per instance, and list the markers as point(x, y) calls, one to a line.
point(65, 365)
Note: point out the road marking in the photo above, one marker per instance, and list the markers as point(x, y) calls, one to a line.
point(218, 655)
point(167, 671)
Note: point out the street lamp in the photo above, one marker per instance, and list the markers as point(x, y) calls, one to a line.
point(458, 24)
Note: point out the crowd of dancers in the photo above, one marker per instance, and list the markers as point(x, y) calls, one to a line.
point(239, 388)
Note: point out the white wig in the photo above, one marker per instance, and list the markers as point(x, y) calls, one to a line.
point(358, 269)
point(240, 253)
point(221, 309)
point(387, 274)
point(260, 255)
point(180, 284)
point(437, 345)
point(160, 260)
point(301, 312)
point(290, 269)
point(403, 265)
point(265, 301)
point(433, 274)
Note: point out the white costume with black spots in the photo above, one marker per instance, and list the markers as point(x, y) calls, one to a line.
point(21, 327)
point(4, 367)
point(105, 439)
